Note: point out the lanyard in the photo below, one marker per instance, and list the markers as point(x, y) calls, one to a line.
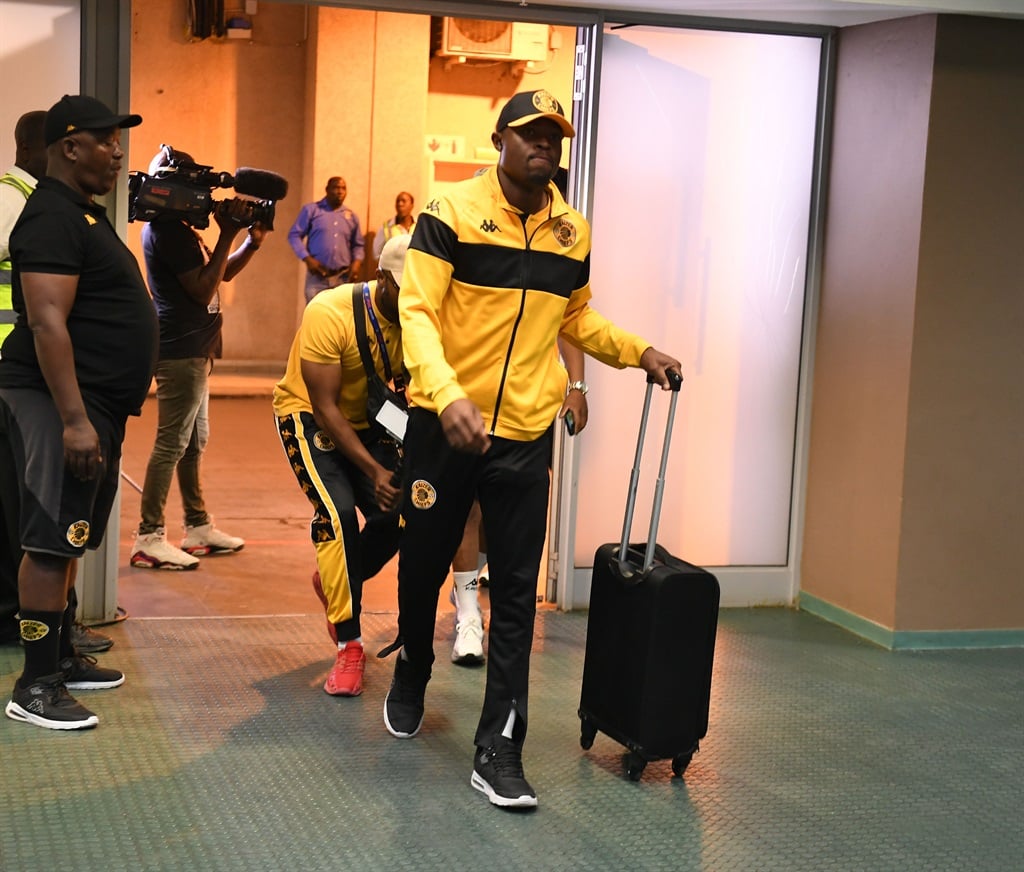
point(377, 332)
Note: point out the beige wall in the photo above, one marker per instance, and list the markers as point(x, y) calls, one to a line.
point(229, 104)
point(332, 92)
point(865, 324)
point(915, 479)
point(962, 554)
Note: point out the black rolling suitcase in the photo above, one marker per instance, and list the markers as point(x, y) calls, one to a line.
point(650, 639)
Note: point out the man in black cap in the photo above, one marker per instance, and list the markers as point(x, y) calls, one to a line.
point(79, 361)
point(506, 247)
point(15, 187)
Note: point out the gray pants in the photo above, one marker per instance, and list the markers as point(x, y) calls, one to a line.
point(183, 429)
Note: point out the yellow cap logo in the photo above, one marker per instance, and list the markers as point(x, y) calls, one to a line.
point(545, 102)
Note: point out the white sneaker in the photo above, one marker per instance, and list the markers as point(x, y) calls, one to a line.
point(153, 551)
point(207, 539)
point(468, 649)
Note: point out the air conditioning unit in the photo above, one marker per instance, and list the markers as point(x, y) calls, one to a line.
point(470, 38)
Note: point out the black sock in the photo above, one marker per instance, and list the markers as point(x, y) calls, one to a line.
point(67, 619)
point(40, 636)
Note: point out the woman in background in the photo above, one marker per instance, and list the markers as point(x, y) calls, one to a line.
point(403, 222)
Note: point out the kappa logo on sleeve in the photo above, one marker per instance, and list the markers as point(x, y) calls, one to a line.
point(433, 206)
point(89, 220)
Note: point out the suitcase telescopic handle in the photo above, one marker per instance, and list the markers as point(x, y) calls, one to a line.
point(675, 383)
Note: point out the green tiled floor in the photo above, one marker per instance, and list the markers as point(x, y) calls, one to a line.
point(222, 753)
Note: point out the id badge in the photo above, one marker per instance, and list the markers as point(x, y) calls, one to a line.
point(393, 419)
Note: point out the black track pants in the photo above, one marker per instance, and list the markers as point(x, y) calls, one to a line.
point(512, 482)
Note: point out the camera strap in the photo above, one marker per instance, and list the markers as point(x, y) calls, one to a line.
point(385, 406)
point(377, 331)
point(360, 301)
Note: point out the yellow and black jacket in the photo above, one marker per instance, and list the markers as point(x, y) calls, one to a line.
point(486, 290)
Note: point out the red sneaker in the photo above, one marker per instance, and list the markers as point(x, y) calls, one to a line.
point(346, 676)
point(318, 589)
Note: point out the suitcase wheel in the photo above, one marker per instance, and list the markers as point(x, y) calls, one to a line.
point(680, 762)
point(635, 765)
point(587, 733)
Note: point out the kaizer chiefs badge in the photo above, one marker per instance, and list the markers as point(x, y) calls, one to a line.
point(78, 533)
point(545, 102)
point(423, 494)
point(32, 631)
point(565, 232)
point(323, 441)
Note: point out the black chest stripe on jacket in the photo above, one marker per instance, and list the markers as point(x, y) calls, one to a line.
point(434, 237)
point(496, 266)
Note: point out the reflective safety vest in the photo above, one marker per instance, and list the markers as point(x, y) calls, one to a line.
point(7, 314)
point(392, 229)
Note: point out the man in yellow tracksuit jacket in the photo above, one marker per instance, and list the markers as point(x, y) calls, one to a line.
point(497, 268)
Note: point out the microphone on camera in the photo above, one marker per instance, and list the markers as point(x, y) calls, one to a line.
point(261, 184)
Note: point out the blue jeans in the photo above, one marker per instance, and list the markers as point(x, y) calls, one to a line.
point(315, 284)
point(183, 429)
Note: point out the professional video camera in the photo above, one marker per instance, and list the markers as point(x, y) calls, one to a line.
point(184, 189)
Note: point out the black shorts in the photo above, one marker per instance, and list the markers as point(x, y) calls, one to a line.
point(57, 513)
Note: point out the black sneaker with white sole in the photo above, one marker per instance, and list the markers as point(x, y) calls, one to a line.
point(498, 773)
point(81, 673)
point(47, 703)
point(403, 706)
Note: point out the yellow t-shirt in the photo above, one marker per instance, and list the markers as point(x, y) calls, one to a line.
point(328, 335)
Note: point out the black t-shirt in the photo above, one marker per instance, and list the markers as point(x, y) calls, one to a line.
point(187, 327)
point(112, 324)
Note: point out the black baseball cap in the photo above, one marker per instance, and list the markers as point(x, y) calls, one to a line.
point(529, 106)
point(78, 112)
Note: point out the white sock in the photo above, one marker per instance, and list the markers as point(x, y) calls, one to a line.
point(509, 724)
point(466, 602)
point(341, 645)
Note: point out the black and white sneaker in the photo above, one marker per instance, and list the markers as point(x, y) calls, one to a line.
point(81, 673)
point(498, 773)
point(403, 706)
point(47, 703)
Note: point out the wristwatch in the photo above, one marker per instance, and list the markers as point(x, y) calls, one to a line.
point(580, 386)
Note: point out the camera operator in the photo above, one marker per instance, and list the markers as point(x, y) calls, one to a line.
point(184, 279)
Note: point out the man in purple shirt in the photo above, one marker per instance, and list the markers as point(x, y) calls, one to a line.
point(327, 238)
